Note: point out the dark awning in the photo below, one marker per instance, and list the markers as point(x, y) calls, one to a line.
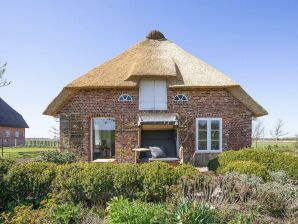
point(158, 119)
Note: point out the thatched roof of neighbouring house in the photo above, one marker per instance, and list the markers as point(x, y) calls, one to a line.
point(10, 118)
point(155, 57)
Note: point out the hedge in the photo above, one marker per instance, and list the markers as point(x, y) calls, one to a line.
point(249, 168)
point(5, 165)
point(93, 183)
point(30, 181)
point(273, 161)
point(88, 183)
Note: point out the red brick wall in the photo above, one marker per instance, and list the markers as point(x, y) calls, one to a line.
point(201, 103)
point(12, 140)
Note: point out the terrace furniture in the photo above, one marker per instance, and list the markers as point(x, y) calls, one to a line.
point(137, 153)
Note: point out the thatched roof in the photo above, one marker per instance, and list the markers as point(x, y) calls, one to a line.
point(9, 117)
point(155, 57)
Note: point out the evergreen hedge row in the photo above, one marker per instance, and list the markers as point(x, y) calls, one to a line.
point(272, 160)
point(87, 183)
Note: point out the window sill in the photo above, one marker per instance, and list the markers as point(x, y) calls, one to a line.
point(207, 151)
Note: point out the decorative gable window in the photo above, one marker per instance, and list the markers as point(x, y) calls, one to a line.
point(180, 98)
point(208, 135)
point(125, 98)
point(153, 95)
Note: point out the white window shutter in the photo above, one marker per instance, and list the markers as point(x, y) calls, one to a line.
point(146, 101)
point(160, 94)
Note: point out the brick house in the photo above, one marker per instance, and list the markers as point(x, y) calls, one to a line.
point(155, 96)
point(12, 126)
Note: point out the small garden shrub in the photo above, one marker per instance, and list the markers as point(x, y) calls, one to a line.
point(157, 179)
point(67, 214)
point(24, 214)
point(127, 180)
point(30, 181)
point(121, 211)
point(57, 157)
point(185, 170)
point(68, 184)
point(277, 198)
point(188, 212)
point(273, 161)
point(249, 168)
point(5, 165)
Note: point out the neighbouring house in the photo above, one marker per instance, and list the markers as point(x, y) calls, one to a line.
point(12, 126)
point(155, 96)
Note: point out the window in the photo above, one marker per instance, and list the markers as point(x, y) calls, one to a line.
point(209, 135)
point(17, 134)
point(180, 98)
point(103, 138)
point(7, 134)
point(125, 98)
point(153, 95)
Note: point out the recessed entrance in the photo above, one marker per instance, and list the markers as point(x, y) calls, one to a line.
point(166, 140)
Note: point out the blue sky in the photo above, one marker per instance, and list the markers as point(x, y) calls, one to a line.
point(47, 44)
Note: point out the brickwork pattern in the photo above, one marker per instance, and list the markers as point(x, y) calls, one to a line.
point(87, 104)
point(12, 139)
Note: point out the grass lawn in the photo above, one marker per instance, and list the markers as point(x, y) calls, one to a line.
point(287, 147)
point(23, 153)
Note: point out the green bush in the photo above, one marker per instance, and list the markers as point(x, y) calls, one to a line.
point(5, 165)
point(273, 161)
point(121, 211)
point(188, 212)
point(249, 168)
point(68, 183)
point(97, 182)
point(89, 183)
point(30, 181)
point(157, 179)
point(185, 170)
point(67, 213)
point(127, 180)
point(56, 157)
point(279, 199)
point(24, 214)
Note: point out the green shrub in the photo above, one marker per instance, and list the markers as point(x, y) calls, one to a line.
point(127, 180)
point(121, 211)
point(67, 213)
point(185, 170)
point(5, 165)
point(68, 183)
point(157, 179)
point(273, 161)
point(30, 181)
point(24, 214)
point(56, 157)
point(188, 212)
point(94, 183)
point(277, 198)
point(89, 183)
point(97, 182)
point(249, 168)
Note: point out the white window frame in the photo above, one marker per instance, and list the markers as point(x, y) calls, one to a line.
point(208, 119)
point(91, 134)
point(7, 133)
point(155, 105)
point(17, 134)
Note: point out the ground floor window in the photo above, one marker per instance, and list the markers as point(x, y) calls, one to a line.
point(103, 138)
point(209, 135)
